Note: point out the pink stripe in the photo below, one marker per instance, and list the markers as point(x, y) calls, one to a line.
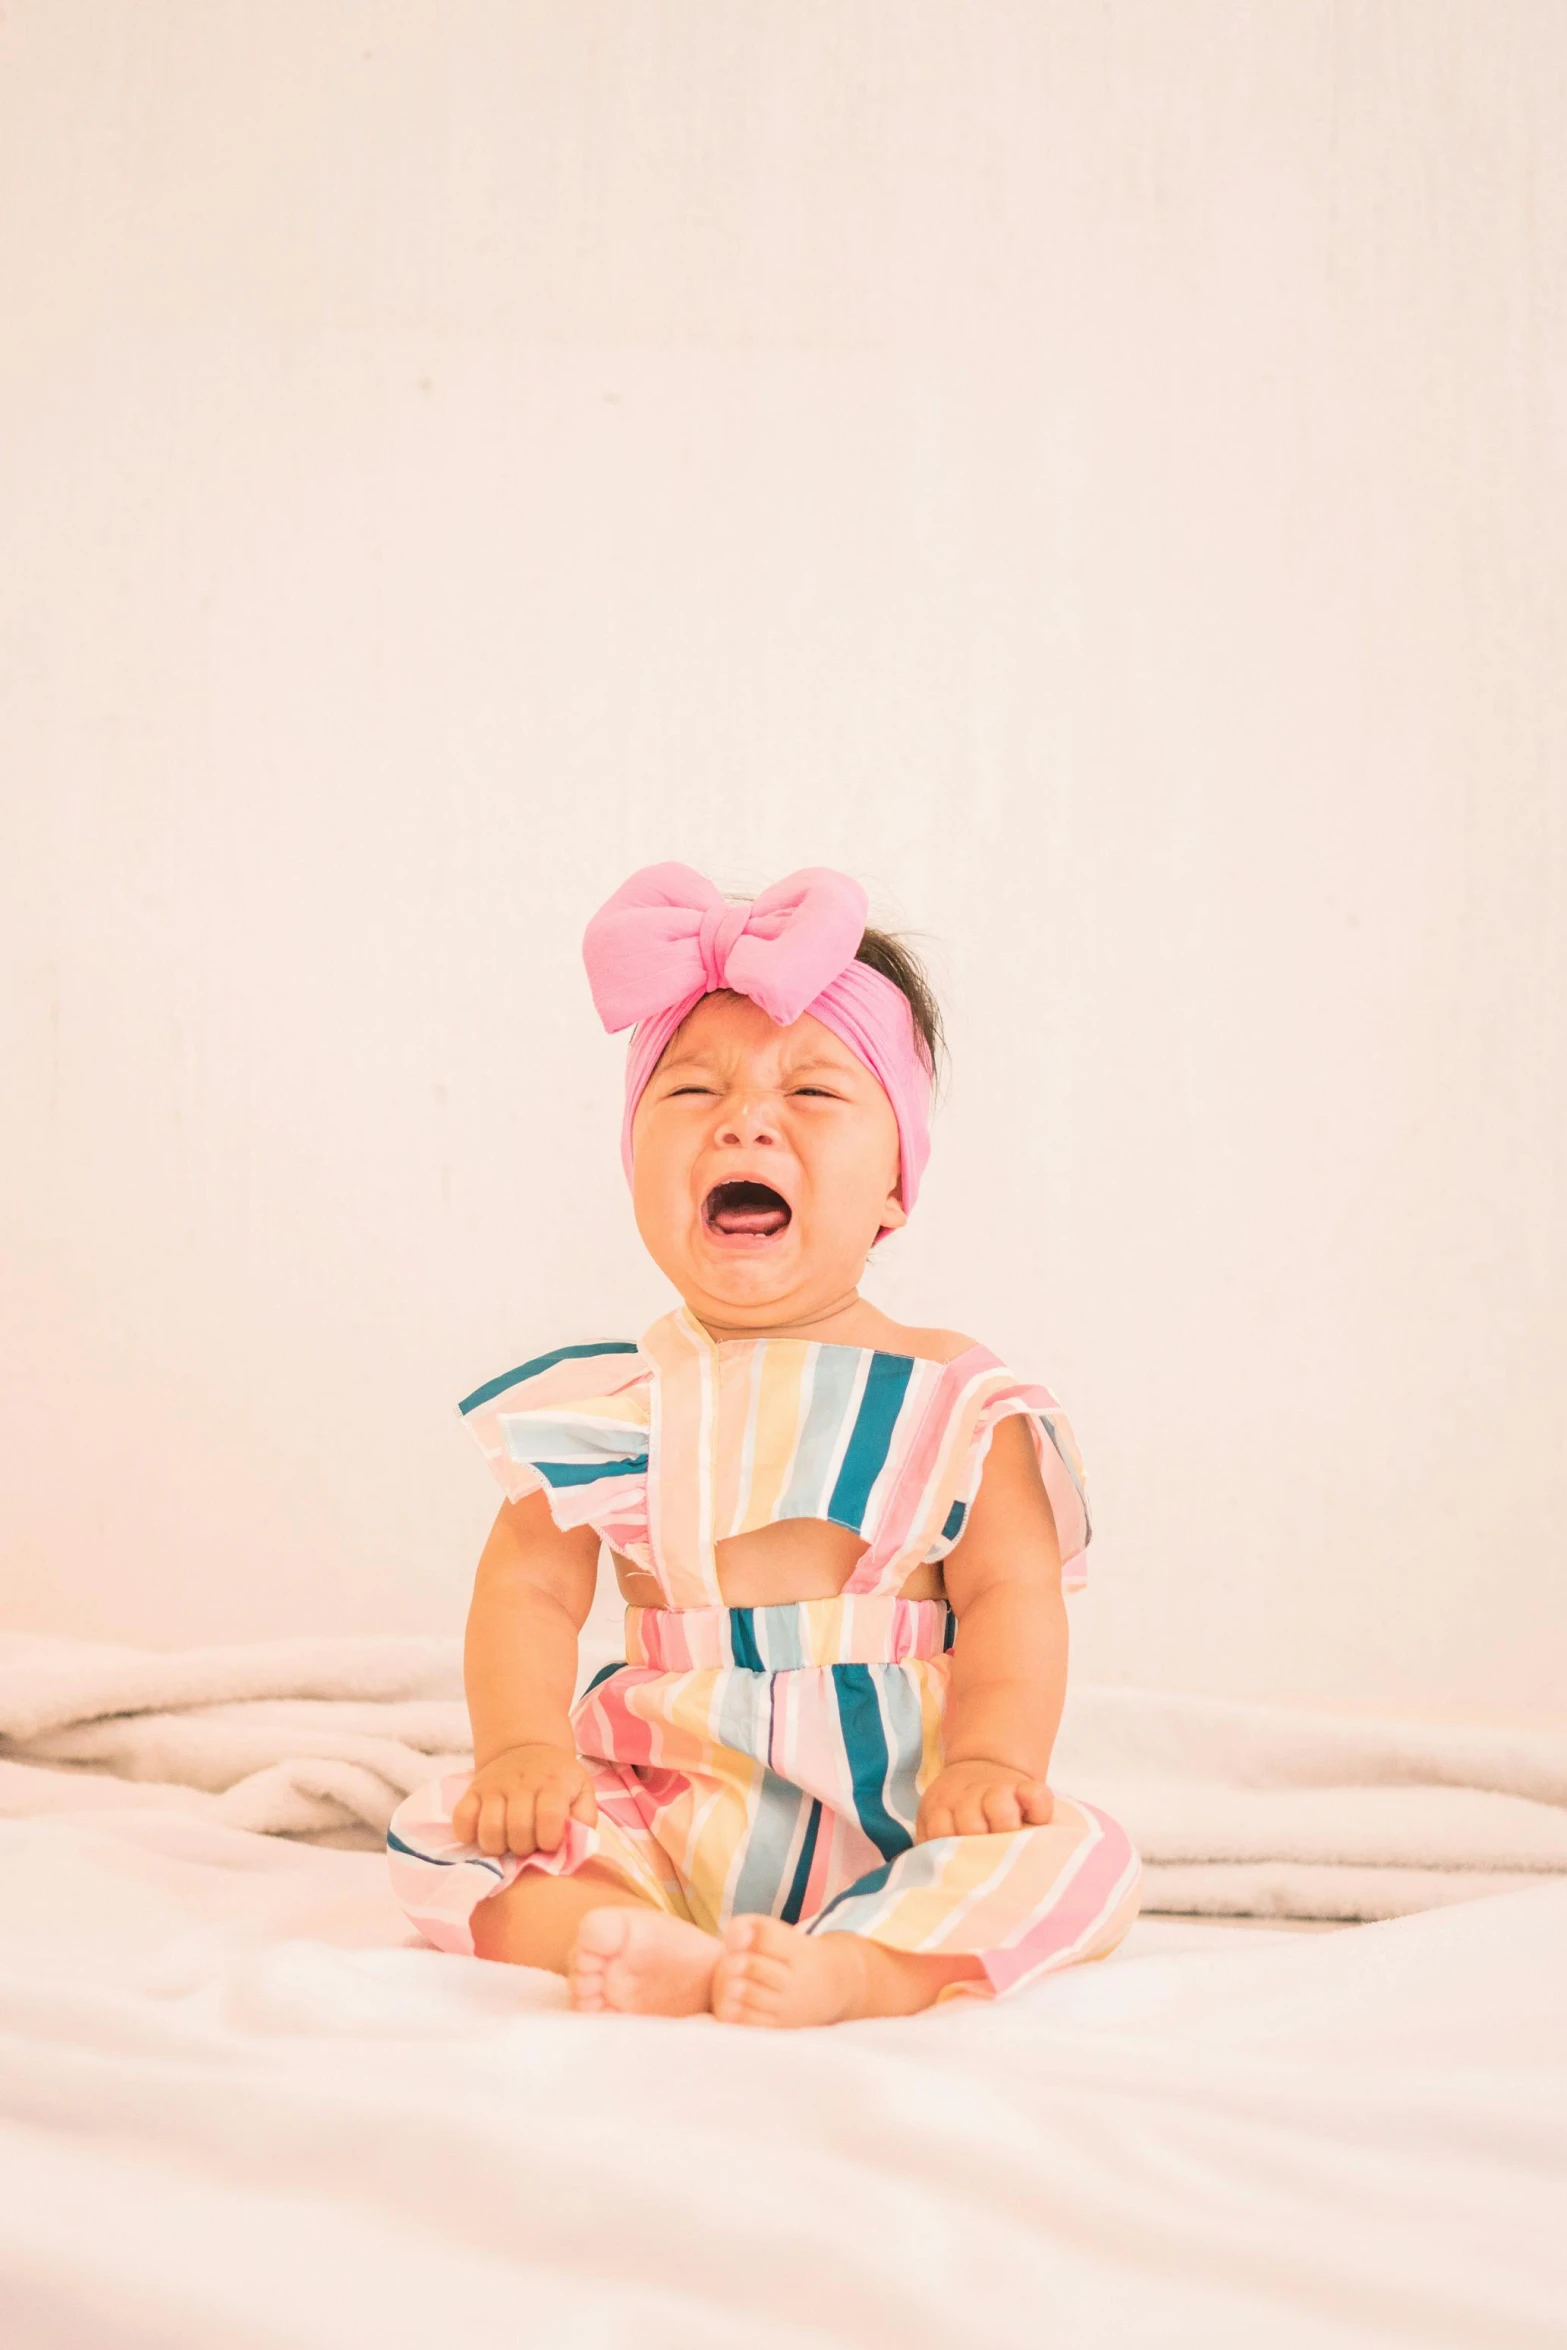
point(899, 1517)
point(616, 1732)
point(1088, 1900)
point(637, 1804)
point(816, 1882)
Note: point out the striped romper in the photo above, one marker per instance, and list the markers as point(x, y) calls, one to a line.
point(771, 1760)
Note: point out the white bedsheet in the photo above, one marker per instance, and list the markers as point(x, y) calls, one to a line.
point(239, 2108)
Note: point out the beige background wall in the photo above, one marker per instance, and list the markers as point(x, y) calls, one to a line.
point(1094, 470)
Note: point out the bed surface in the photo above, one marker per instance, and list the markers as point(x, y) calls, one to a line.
point(239, 2107)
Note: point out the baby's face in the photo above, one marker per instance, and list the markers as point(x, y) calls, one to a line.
point(765, 1162)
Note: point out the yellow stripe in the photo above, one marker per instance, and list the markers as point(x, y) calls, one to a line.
point(917, 1917)
point(931, 1678)
point(630, 1407)
point(779, 1417)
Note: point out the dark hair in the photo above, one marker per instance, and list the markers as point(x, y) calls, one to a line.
point(897, 961)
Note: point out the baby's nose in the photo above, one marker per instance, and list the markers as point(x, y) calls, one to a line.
point(748, 1123)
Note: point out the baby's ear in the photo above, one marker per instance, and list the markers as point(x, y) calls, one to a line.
point(893, 1211)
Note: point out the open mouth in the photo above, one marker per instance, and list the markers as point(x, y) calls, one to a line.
point(745, 1210)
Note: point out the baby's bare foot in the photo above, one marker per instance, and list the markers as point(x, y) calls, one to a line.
point(771, 1973)
point(638, 1962)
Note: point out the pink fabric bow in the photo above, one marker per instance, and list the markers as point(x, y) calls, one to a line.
point(667, 937)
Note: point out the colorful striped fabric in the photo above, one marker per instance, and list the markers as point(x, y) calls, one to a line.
point(742, 1432)
point(772, 1759)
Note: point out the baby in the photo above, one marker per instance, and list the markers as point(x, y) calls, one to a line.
point(816, 1788)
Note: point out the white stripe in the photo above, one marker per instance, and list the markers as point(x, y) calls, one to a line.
point(748, 1440)
point(706, 1560)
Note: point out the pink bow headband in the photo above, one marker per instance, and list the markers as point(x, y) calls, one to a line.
point(667, 937)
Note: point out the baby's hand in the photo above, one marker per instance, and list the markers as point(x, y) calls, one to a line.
point(980, 1798)
point(521, 1800)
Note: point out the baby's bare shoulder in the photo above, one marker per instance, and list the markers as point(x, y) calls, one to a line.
point(940, 1346)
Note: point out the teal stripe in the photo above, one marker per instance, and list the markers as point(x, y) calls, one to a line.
point(954, 1521)
point(794, 1899)
point(562, 1354)
point(476, 1860)
point(870, 1763)
point(886, 1385)
point(742, 1640)
point(587, 1472)
point(873, 1882)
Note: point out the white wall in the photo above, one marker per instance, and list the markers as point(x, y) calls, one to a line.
point(1094, 470)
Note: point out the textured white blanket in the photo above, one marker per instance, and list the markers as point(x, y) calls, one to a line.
point(239, 2108)
point(1237, 1809)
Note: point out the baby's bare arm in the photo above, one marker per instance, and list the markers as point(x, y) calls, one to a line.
point(1007, 1680)
point(531, 1597)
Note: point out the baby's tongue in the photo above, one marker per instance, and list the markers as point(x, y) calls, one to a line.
point(728, 1218)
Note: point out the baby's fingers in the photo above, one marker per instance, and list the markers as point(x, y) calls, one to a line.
point(1001, 1807)
point(936, 1821)
point(968, 1813)
point(1039, 1805)
point(549, 1818)
point(584, 1806)
point(465, 1818)
point(490, 1835)
point(521, 1826)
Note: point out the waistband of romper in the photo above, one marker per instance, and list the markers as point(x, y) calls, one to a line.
point(867, 1629)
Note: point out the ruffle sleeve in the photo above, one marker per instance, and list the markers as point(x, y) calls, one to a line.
point(1060, 1466)
point(572, 1424)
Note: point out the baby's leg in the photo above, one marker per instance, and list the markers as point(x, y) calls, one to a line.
point(770, 1973)
point(616, 1950)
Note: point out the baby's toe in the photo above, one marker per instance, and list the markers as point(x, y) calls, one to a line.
point(748, 1985)
point(740, 1934)
point(761, 1937)
point(737, 1999)
point(602, 1933)
point(585, 1980)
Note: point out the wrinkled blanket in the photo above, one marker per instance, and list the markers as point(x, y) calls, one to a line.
point(1237, 1809)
